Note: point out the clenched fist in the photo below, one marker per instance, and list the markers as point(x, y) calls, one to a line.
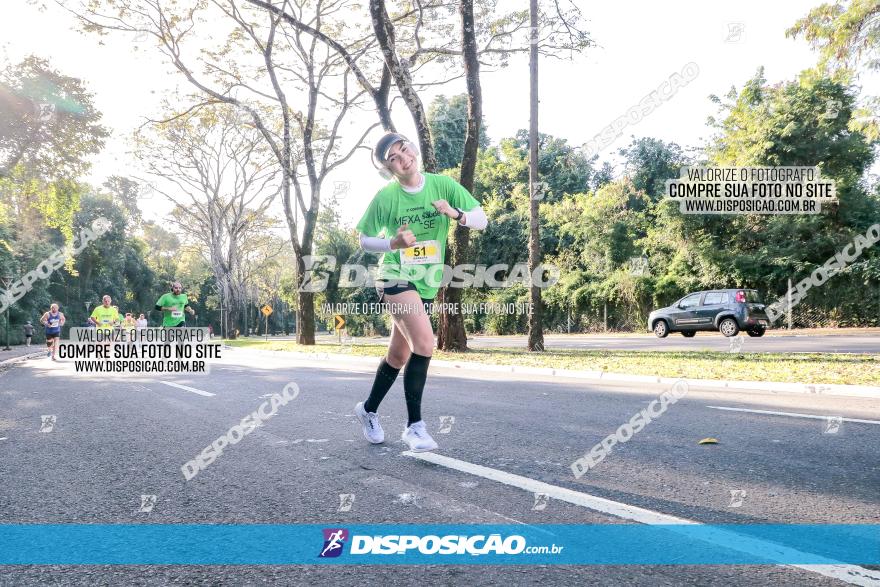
point(444, 208)
point(405, 238)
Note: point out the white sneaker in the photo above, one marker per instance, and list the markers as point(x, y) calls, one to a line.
point(417, 437)
point(370, 423)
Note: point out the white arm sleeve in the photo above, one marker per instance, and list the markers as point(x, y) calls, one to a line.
point(374, 244)
point(476, 219)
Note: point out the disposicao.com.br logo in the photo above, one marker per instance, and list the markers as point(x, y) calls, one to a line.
point(431, 544)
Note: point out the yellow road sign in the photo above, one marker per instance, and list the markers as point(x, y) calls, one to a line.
point(266, 310)
point(340, 322)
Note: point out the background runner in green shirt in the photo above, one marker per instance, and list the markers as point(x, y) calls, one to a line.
point(172, 305)
point(105, 316)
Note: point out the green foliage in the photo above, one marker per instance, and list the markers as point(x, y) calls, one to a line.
point(501, 185)
point(650, 162)
point(125, 191)
point(563, 168)
point(804, 122)
point(507, 323)
point(341, 242)
point(447, 119)
point(845, 33)
point(48, 122)
point(592, 225)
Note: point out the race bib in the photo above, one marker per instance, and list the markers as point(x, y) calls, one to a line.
point(105, 320)
point(54, 323)
point(176, 314)
point(421, 253)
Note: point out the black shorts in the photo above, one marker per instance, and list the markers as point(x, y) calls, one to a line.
point(51, 337)
point(399, 287)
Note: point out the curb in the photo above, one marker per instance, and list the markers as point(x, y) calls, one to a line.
point(833, 389)
point(21, 358)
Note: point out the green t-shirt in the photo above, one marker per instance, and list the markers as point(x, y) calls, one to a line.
point(106, 318)
point(173, 317)
point(392, 207)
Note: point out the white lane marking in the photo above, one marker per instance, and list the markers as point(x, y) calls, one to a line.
point(852, 574)
point(4, 438)
point(793, 415)
point(592, 502)
point(187, 388)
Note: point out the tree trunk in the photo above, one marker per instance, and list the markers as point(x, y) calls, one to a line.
point(232, 303)
point(230, 319)
point(384, 31)
point(536, 327)
point(305, 318)
point(305, 307)
point(451, 334)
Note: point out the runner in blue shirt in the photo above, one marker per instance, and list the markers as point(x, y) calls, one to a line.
point(53, 320)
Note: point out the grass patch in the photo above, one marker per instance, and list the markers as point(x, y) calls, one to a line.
point(813, 368)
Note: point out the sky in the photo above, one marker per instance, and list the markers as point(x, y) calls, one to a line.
point(639, 45)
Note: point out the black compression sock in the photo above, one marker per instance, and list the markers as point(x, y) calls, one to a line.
point(385, 377)
point(414, 375)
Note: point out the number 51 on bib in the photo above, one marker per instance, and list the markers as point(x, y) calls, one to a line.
point(421, 253)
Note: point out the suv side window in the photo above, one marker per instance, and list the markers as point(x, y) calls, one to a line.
point(715, 298)
point(690, 301)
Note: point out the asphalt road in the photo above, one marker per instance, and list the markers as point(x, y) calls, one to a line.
point(772, 343)
point(116, 438)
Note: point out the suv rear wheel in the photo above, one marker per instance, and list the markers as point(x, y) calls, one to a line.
point(728, 327)
point(661, 329)
point(756, 332)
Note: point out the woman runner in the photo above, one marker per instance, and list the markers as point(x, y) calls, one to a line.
point(415, 209)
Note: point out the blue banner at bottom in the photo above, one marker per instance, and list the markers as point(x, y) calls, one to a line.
point(614, 544)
